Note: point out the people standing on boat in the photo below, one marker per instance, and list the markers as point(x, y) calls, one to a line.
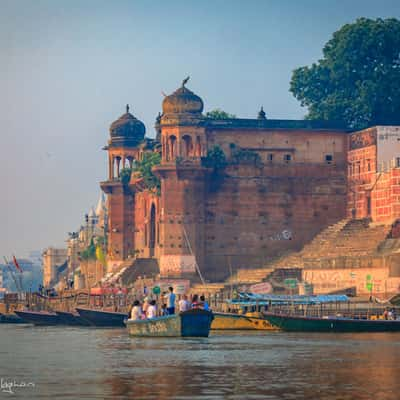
point(151, 310)
point(184, 304)
point(163, 310)
point(145, 305)
point(195, 301)
point(170, 297)
point(204, 303)
point(136, 312)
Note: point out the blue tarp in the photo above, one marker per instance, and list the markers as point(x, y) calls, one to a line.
point(248, 299)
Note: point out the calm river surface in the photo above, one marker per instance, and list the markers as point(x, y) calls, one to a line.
point(73, 363)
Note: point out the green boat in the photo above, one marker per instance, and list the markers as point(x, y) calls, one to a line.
point(192, 323)
point(331, 324)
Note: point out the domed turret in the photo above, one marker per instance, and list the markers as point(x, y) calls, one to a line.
point(182, 104)
point(261, 114)
point(127, 130)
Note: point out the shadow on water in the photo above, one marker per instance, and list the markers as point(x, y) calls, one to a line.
point(107, 364)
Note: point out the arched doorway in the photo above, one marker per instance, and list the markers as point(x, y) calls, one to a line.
point(152, 238)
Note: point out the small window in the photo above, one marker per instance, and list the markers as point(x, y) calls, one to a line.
point(397, 162)
point(270, 157)
point(329, 158)
point(287, 158)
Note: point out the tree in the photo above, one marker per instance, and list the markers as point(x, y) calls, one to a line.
point(144, 168)
point(217, 113)
point(357, 81)
point(215, 159)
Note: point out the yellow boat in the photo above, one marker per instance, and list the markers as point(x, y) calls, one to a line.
point(248, 321)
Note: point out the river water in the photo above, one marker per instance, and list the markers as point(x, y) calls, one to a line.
point(89, 363)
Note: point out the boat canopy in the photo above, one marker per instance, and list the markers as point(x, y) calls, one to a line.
point(249, 299)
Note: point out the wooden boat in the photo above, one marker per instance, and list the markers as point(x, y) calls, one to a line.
point(11, 319)
point(192, 323)
point(249, 321)
point(331, 324)
point(39, 317)
point(73, 319)
point(103, 318)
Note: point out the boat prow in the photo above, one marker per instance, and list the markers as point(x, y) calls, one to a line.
point(71, 319)
point(102, 318)
point(42, 318)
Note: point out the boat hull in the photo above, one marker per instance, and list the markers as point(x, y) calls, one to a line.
point(313, 324)
point(11, 319)
point(39, 317)
point(102, 318)
point(192, 323)
point(71, 319)
point(227, 321)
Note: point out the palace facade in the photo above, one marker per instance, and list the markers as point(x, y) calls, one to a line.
point(278, 184)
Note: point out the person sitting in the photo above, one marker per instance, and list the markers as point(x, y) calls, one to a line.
point(184, 304)
point(151, 310)
point(204, 303)
point(136, 312)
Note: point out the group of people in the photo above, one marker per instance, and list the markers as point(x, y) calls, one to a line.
point(148, 309)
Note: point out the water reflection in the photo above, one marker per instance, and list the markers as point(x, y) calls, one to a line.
point(107, 364)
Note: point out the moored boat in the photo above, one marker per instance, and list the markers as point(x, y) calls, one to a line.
point(231, 321)
point(39, 317)
point(331, 324)
point(73, 319)
point(192, 323)
point(11, 319)
point(103, 318)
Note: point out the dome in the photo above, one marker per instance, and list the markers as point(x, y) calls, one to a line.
point(127, 130)
point(182, 101)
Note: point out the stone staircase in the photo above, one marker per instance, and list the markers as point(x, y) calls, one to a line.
point(249, 276)
point(147, 267)
point(347, 238)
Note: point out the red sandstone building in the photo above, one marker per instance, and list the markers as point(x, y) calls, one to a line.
point(283, 182)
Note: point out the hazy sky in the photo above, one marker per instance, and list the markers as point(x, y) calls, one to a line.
point(69, 67)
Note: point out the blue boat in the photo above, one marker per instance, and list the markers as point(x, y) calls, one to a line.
point(192, 323)
point(71, 319)
point(39, 317)
point(11, 319)
point(103, 318)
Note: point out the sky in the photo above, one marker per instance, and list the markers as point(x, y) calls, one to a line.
point(69, 67)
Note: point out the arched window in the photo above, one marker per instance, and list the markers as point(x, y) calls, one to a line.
point(187, 146)
point(172, 147)
point(152, 238)
point(198, 147)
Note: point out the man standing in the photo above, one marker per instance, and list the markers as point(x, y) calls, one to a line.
point(170, 297)
point(183, 304)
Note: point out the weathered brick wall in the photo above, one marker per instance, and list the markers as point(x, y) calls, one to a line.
point(258, 214)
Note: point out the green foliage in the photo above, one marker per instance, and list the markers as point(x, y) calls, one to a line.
point(125, 175)
point(90, 252)
point(217, 113)
point(245, 156)
point(215, 158)
point(358, 79)
point(144, 168)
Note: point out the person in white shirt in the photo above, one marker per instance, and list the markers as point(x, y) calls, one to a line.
point(184, 304)
point(136, 312)
point(152, 310)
